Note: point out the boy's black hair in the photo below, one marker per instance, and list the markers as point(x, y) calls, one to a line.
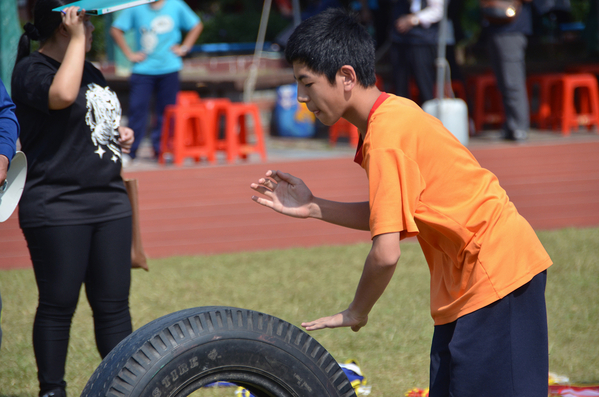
point(331, 39)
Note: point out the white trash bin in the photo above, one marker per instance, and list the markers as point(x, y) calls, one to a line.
point(453, 113)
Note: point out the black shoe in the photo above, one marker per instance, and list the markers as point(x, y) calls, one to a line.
point(55, 393)
point(517, 135)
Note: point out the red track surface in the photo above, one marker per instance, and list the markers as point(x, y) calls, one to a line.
point(208, 210)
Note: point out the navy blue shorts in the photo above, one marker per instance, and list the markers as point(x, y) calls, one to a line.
point(500, 350)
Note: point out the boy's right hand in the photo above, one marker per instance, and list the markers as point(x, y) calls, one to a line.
point(344, 319)
point(284, 193)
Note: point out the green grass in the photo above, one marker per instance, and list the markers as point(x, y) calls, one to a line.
point(303, 284)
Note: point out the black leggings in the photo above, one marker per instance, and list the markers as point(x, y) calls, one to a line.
point(65, 257)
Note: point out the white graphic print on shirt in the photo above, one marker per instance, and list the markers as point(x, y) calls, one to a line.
point(159, 25)
point(103, 118)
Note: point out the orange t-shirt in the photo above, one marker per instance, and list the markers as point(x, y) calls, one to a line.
point(423, 182)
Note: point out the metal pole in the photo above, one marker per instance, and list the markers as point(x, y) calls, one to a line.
point(250, 82)
point(441, 62)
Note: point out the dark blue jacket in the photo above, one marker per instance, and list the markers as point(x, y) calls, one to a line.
point(416, 35)
point(522, 24)
point(9, 126)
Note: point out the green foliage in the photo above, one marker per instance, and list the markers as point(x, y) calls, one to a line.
point(239, 28)
point(304, 284)
point(237, 21)
point(580, 10)
point(99, 45)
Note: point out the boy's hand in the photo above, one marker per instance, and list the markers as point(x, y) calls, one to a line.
point(343, 319)
point(284, 193)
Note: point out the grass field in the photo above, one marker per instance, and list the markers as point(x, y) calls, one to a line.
point(303, 284)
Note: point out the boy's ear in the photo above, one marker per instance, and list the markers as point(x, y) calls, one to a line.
point(348, 77)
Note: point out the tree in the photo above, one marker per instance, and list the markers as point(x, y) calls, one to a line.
point(10, 31)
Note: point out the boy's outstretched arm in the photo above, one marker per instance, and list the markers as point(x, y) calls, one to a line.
point(289, 195)
point(378, 270)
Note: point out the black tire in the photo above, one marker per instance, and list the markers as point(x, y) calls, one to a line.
point(182, 352)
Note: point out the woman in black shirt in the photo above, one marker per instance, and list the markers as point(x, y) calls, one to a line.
point(74, 211)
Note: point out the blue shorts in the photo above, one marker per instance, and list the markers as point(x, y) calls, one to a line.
point(500, 350)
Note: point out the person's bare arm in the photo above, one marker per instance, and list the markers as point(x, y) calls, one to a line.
point(67, 81)
point(119, 38)
point(378, 270)
point(190, 38)
point(288, 195)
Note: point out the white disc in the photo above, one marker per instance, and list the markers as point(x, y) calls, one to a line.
point(10, 193)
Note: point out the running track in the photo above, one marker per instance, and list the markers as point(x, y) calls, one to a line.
point(208, 210)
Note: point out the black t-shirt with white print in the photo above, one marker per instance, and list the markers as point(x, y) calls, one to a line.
point(74, 160)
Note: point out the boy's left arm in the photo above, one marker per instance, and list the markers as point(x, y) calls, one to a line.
point(9, 131)
point(378, 270)
point(190, 38)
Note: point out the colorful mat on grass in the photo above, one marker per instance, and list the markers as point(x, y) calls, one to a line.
point(573, 390)
point(554, 391)
point(350, 367)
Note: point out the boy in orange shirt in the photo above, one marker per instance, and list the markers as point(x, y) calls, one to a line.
point(487, 266)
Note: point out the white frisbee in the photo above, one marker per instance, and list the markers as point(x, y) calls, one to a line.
point(12, 189)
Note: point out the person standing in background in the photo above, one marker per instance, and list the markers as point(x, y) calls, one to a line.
point(415, 37)
point(506, 48)
point(74, 212)
point(156, 59)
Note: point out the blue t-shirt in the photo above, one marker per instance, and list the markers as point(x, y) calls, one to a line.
point(9, 127)
point(156, 32)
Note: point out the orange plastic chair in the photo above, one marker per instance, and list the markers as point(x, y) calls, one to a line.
point(344, 128)
point(486, 101)
point(236, 141)
point(459, 91)
point(541, 88)
point(576, 103)
point(187, 130)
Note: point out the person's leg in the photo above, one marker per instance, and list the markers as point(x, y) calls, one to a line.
point(440, 371)
point(167, 88)
point(507, 55)
point(401, 69)
point(500, 350)
point(140, 95)
point(108, 281)
point(423, 64)
point(59, 255)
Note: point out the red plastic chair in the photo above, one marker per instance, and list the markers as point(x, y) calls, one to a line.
point(541, 88)
point(236, 142)
point(575, 103)
point(486, 101)
point(344, 128)
point(187, 130)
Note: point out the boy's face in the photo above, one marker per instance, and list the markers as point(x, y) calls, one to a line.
point(326, 101)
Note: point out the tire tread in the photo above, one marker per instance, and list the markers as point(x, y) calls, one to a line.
point(133, 358)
